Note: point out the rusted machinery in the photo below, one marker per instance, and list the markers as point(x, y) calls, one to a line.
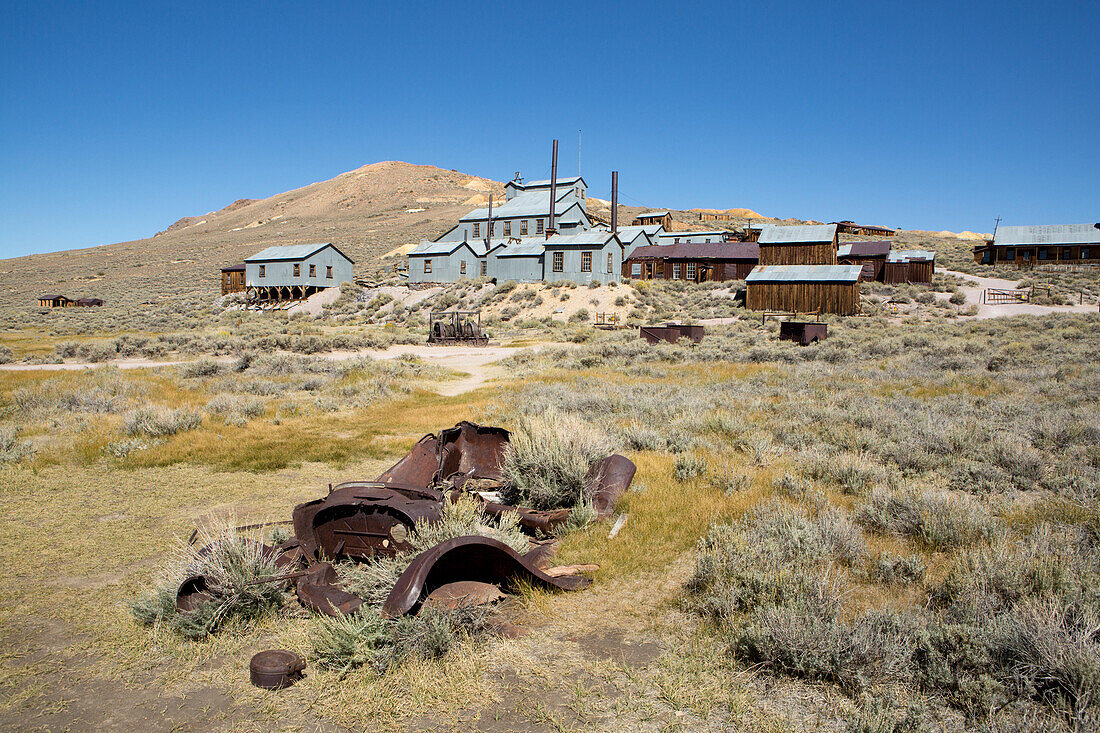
point(358, 520)
point(803, 332)
point(456, 327)
point(672, 332)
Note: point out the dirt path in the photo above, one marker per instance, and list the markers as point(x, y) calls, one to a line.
point(985, 310)
point(476, 361)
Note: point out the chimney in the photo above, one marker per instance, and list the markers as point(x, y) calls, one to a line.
point(489, 225)
point(614, 202)
point(551, 229)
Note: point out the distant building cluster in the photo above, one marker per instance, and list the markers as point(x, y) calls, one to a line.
point(60, 301)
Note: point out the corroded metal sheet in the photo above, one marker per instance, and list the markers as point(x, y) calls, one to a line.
point(319, 589)
point(607, 481)
point(468, 558)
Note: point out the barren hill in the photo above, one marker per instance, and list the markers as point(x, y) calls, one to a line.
point(366, 212)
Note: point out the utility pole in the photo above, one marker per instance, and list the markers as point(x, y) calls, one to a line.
point(995, 225)
point(578, 152)
point(550, 230)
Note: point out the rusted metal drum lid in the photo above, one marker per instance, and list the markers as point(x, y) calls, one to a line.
point(275, 669)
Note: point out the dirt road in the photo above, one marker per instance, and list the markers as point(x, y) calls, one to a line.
point(985, 310)
point(476, 361)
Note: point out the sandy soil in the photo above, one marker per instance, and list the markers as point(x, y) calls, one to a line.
point(316, 302)
point(974, 297)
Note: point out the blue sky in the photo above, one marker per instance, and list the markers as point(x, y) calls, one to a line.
point(118, 118)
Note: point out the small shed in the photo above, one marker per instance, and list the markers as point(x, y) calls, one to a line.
point(663, 218)
point(89, 302)
point(695, 262)
point(233, 279)
point(804, 289)
point(519, 260)
point(53, 301)
point(871, 256)
point(807, 244)
point(909, 266)
point(595, 255)
point(714, 216)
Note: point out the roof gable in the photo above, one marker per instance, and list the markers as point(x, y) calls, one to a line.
point(801, 234)
point(1049, 234)
point(293, 252)
point(805, 274)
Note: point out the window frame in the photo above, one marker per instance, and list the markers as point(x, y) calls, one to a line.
point(586, 262)
point(523, 228)
point(313, 270)
point(610, 263)
point(263, 270)
point(462, 267)
point(558, 259)
point(540, 226)
point(477, 229)
point(507, 228)
point(484, 267)
point(297, 269)
point(676, 270)
point(690, 271)
point(427, 265)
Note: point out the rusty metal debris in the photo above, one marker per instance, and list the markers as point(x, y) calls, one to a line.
point(319, 589)
point(672, 332)
point(463, 594)
point(482, 559)
point(275, 669)
point(456, 327)
point(803, 332)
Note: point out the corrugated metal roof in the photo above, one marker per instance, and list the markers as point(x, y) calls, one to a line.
point(713, 233)
point(427, 247)
point(592, 237)
point(526, 248)
point(651, 214)
point(561, 182)
point(1049, 234)
point(291, 252)
point(904, 255)
point(701, 251)
point(804, 273)
point(528, 203)
point(798, 234)
point(876, 248)
point(233, 268)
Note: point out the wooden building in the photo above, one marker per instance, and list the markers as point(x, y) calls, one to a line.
point(233, 279)
point(663, 218)
point(88, 302)
point(909, 266)
point(692, 261)
point(1028, 246)
point(850, 227)
point(295, 272)
point(871, 256)
point(53, 301)
point(719, 216)
point(804, 289)
point(807, 244)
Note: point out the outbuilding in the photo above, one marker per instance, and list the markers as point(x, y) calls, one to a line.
point(806, 244)
point(850, 227)
point(693, 262)
point(53, 301)
point(295, 271)
point(88, 302)
point(804, 289)
point(594, 255)
point(909, 266)
point(233, 279)
point(447, 262)
point(1028, 246)
point(871, 256)
point(662, 218)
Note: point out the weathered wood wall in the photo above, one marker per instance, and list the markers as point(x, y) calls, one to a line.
point(818, 253)
point(839, 298)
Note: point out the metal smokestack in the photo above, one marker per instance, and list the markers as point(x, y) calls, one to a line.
point(553, 190)
point(615, 202)
point(489, 225)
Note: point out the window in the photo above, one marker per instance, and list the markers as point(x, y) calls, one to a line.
point(492, 228)
point(507, 228)
point(462, 267)
point(636, 270)
point(691, 271)
point(559, 262)
point(297, 271)
point(523, 228)
point(675, 270)
point(586, 262)
point(427, 266)
point(610, 262)
point(263, 270)
point(1084, 253)
point(1044, 254)
point(1010, 254)
point(1067, 253)
point(313, 270)
point(484, 268)
point(328, 272)
point(538, 226)
point(477, 229)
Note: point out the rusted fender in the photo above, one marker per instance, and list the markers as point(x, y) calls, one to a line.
point(320, 590)
point(607, 481)
point(361, 520)
point(468, 558)
point(533, 519)
point(192, 593)
point(472, 451)
point(418, 467)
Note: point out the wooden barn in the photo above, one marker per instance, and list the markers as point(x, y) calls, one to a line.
point(693, 261)
point(663, 218)
point(54, 301)
point(909, 266)
point(714, 216)
point(89, 302)
point(807, 244)
point(804, 289)
point(871, 256)
point(850, 227)
point(233, 279)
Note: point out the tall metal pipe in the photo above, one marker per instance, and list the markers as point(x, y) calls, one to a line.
point(489, 224)
point(615, 202)
point(551, 229)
